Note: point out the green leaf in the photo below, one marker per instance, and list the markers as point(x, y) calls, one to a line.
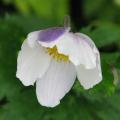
point(47, 9)
point(103, 33)
point(10, 35)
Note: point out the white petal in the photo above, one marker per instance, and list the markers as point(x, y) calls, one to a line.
point(49, 45)
point(32, 38)
point(90, 77)
point(31, 63)
point(78, 50)
point(55, 83)
point(89, 41)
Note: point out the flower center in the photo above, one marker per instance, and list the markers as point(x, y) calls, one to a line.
point(57, 56)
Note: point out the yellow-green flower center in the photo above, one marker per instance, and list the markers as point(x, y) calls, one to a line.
point(57, 56)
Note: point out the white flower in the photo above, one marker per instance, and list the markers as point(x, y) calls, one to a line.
point(53, 58)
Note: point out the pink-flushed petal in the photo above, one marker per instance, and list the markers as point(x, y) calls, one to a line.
point(78, 50)
point(57, 81)
point(32, 63)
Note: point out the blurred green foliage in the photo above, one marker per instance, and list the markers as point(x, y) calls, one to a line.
point(108, 33)
point(103, 9)
point(50, 9)
point(99, 103)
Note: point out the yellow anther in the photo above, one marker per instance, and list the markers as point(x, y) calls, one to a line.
point(57, 56)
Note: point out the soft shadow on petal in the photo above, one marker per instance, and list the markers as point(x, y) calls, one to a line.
point(57, 81)
point(31, 63)
point(78, 50)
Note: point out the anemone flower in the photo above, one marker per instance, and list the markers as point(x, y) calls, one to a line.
point(53, 58)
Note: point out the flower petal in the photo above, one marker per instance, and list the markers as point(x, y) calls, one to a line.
point(78, 50)
point(32, 63)
point(32, 38)
point(89, 41)
point(58, 80)
point(47, 37)
point(90, 77)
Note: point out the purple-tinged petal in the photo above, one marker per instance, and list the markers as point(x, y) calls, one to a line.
point(47, 37)
point(51, 34)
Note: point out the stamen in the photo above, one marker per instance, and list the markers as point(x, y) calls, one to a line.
point(67, 22)
point(57, 56)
